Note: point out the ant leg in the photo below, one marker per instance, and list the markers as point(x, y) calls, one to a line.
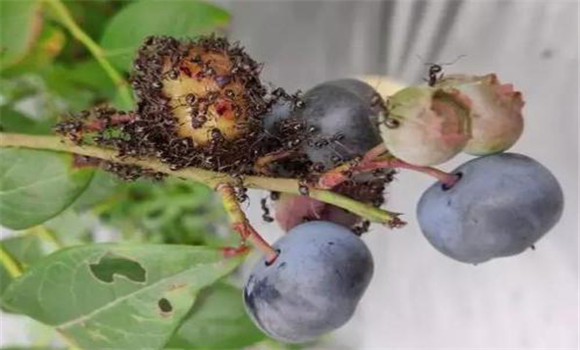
point(240, 224)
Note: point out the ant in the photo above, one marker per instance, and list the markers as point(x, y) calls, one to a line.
point(266, 216)
point(303, 188)
point(215, 137)
point(242, 194)
point(241, 190)
point(274, 196)
point(435, 73)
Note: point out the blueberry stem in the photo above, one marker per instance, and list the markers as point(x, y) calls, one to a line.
point(209, 178)
point(240, 223)
point(338, 175)
point(447, 179)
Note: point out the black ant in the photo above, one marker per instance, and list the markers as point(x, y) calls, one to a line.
point(362, 228)
point(215, 137)
point(318, 167)
point(197, 122)
point(190, 99)
point(435, 73)
point(241, 190)
point(241, 194)
point(266, 216)
point(303, 188)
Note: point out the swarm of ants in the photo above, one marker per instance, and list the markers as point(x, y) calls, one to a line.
point(200, 103)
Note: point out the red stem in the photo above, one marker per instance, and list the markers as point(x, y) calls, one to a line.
point(240, 223)
point(337, 176)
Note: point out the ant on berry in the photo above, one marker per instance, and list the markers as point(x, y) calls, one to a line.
point(434, 76)
point(435, 73)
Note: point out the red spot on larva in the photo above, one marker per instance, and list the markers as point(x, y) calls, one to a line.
point(186, 71)
point(222, 107)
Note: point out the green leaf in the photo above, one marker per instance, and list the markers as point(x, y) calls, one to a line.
point(133, 23)
point(13, 121)
point(48, 45)
point(29, 348)
point(24, 250)
point(68, 228)
point(37, 185)
point(20, 25)
point(218, 321)
point(117, 296)
point(90, 74)
point(102, 187)
point(60, 82)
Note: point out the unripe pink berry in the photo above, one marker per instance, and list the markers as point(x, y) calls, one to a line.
point(496, 112)
point(426, 126)
point(292, 210)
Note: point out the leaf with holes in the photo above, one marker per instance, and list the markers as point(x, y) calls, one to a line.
point(132, 24)
point(117, 296)
point(217, 321)
point(37, 185)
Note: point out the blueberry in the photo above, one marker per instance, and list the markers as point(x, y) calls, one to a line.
point(501, 205)
point(496, 112)
point(426, 126)
point(366, 93)
point(314, 285)
point(281, 110)
point(343, 124)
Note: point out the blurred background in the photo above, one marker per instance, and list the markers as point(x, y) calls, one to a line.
point(418, 299)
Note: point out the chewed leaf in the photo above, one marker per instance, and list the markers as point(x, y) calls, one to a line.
point(37, 185)
point(117, 296)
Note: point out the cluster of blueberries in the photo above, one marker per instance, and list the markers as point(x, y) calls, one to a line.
point(500, 205)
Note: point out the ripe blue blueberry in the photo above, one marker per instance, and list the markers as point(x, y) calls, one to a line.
point(342, 125)
point(365, 92)
point(501, 205)
point(313, 286)
point(281, 110)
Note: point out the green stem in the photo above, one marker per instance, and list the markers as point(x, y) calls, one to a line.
point(68, 21)
point(209, 178)
point(44, 234)
point(9, 263)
